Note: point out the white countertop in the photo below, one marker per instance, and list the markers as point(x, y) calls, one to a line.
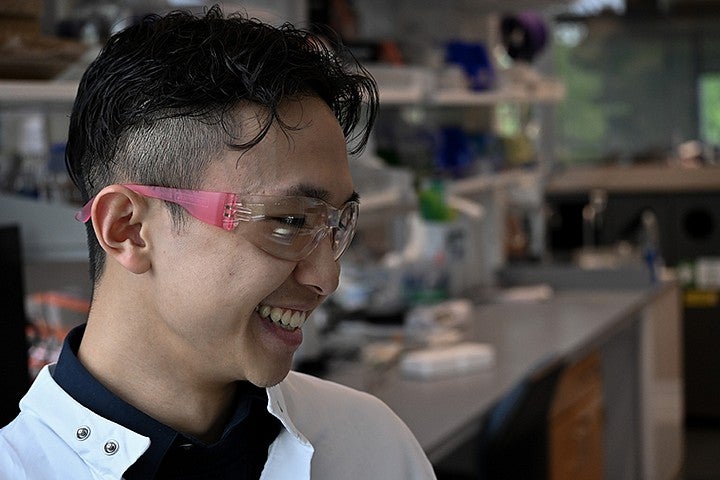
point(444, 412)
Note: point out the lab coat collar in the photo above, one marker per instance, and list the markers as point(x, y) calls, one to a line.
point(291, 453)
point(110, 449)
point(106, 447)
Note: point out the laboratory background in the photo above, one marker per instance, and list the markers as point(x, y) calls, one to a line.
point(534, 287)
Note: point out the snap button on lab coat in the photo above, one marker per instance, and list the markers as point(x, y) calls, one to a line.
point(82, 433)
point(111, 447)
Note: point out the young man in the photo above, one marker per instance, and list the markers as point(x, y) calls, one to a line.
point(213, 155)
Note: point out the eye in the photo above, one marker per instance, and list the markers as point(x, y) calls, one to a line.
point(290, 221)
point(287, 227)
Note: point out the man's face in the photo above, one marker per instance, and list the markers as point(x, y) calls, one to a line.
point(214, 288)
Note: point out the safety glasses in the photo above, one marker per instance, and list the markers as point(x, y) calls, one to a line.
point(287, 227)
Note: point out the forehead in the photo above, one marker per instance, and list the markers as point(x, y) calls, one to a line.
point(307, 152)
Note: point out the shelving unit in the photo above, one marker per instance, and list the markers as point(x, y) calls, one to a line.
point(413, 92)
point(415, 88)
point(48, 231)
point(402, 87)
point(62, 93)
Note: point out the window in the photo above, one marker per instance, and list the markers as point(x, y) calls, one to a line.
point(709, 107)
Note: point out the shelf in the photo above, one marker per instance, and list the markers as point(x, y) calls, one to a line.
point(547, 92)
point(37, 91)
point(509, 178)
point(635, 179)
point(380, 205)
point(408, 86)
point(493, 6)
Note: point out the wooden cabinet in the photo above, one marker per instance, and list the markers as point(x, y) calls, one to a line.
point(576, 423)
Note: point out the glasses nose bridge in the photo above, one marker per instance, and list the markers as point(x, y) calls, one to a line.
point(324, 231)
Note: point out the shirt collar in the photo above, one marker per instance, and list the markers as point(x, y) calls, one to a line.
point(77, 381)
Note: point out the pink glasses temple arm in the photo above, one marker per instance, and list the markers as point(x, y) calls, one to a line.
point(83, 215)
point(208, 207)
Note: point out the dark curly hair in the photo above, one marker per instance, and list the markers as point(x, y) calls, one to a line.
point(155, 106)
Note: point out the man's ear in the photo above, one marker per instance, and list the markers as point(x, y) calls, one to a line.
point(117, 218)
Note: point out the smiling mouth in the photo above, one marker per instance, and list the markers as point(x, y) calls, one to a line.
point(283, 317)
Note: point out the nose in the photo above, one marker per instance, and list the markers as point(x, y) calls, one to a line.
point(319, 271)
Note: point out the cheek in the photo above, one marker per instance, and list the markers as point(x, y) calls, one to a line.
point(224, 279)
point(204, 262)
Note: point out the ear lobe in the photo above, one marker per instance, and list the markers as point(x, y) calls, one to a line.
point(117, 216)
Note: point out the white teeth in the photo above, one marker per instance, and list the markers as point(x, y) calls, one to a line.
point(276, 314)
point(297, 319)
point(289, 319)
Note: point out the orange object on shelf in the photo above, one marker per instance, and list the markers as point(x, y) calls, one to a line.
point(52, 315)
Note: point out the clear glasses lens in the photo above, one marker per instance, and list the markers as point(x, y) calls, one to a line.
point(346, 229)
point(291, 228)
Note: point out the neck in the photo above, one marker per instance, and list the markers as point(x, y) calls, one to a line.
point(121, 354)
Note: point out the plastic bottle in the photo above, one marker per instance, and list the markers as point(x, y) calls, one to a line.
point(650, 244)
point(33, 152)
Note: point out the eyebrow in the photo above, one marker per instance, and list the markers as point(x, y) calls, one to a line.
point(305, 190)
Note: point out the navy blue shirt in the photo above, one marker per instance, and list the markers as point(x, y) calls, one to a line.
point(240, 453)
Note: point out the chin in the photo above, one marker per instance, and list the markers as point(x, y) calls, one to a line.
point(269, 379)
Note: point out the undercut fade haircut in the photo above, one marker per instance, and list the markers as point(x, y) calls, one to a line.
point(156, 106)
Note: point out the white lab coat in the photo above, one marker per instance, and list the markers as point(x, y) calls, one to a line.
point(346, 434)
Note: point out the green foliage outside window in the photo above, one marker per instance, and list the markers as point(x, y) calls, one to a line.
point(710, 108)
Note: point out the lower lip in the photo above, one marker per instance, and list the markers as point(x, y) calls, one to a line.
point(290, 338)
